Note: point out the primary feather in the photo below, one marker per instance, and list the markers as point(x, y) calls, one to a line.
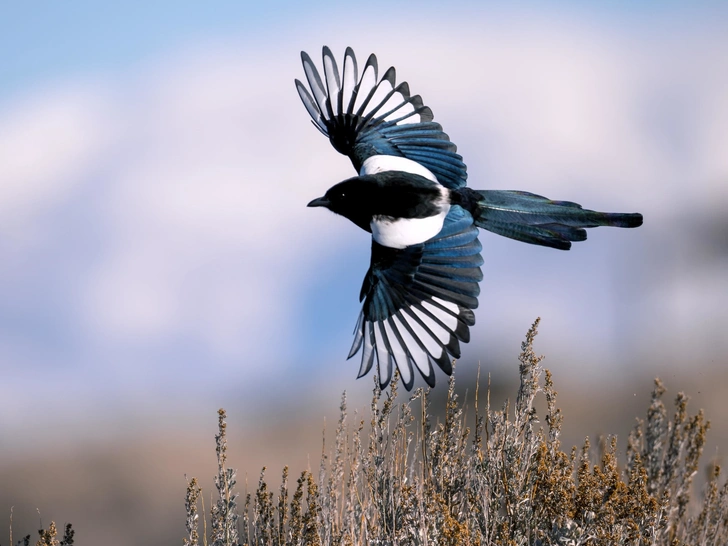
point(368, 116)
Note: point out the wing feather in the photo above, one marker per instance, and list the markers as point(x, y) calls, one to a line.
point(350, 76)
point(310, 104)
point(315, 83)
point(398, 350)
point(418, 303)
point(364, 116)
point(367, 356)
point(333, 83)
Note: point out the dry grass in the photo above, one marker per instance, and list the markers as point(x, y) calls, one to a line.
point(404, 477)
point(47, 537)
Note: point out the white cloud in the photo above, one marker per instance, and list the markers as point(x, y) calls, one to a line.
point(205, 214)
point(48, 143)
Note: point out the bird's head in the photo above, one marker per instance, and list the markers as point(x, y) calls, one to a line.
point(344, 197)
point(352, 198)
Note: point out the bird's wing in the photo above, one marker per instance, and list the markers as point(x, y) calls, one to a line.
point(418, 303)
point(364, 116)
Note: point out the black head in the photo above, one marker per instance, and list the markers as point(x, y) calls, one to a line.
point(353, 199)
point(391, 193)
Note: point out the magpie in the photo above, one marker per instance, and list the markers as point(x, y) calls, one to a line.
point(411, 195)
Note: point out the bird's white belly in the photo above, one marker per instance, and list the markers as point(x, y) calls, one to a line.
point(403, 232)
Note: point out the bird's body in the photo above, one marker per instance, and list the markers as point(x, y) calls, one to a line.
point(411, 195)
point(398, 208)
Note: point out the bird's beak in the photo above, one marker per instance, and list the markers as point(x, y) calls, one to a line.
point(319, 202)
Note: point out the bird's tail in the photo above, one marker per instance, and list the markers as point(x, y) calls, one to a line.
point(537, 220)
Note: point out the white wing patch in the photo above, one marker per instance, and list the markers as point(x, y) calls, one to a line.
point(319, 94)
point(438, 332)
point(391, 105)
point(409, 339)
point(448, 319)
point(381, 163)
point(333, 83)
point(384, 357)
point(367, 83)
point(398, 352)
point(418, 353)
point(350, 81)
point(431, 345)
point(368, 353)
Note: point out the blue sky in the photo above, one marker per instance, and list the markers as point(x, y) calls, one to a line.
point(58, 40)
point(155, 162)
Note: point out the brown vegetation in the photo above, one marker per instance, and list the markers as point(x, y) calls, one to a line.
point(403, 478)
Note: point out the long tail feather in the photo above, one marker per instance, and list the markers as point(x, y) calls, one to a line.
point(537, 220)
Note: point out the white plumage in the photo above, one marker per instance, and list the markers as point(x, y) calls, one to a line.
point(403, 232)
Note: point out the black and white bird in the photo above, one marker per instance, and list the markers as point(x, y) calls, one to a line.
point(411, 195)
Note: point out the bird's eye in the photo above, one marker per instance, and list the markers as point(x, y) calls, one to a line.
point(342, 195)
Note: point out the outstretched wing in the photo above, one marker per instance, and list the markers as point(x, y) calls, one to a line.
point(418, 303)
point(366, 116)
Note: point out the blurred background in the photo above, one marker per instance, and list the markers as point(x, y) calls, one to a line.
point(158, 260)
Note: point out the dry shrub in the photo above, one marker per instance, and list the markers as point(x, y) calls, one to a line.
point(407, 478)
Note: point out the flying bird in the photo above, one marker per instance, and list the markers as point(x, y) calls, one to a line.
point(411, 195)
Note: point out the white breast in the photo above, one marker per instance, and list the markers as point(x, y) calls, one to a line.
point(403, 232)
